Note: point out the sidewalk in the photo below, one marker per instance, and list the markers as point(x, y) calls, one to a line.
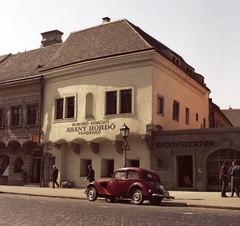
point(182, 198)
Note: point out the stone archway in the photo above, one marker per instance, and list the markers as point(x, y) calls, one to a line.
point(214, 163)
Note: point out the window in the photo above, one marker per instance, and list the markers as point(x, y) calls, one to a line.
point(160, 105)
point(107, 167)
point(196, 116)
point(16, 116)
point(119, 101)
point(204, 123)
point(187, 116)
point(112, 102)
point(176, 60)
point(1, 118)
point(70, 107)
point(65, 107)
point(32, 115)
point(18, 165)
point(84, 163)
point(59, 108)
point(175, 110)
point(126, 101)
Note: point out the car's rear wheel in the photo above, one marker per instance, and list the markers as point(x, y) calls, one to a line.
point(155, 201)
point(110, 199)
point(92, 194)
point(137, 197)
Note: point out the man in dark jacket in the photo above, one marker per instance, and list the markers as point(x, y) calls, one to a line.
point(91, 174)
point(224, 178)
point(236, 177)
point(54, 176)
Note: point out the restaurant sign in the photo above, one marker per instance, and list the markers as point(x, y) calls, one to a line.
point(90, 127)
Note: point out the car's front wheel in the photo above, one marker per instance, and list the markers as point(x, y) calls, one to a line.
point(92, 194)
point(155, 201)
point(137, 197)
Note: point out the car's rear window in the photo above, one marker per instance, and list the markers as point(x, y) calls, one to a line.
point(151, 177)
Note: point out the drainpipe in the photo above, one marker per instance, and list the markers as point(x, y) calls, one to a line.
point(40, 129)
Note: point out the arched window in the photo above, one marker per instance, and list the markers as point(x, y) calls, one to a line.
point(89, 105)
point(18, 165)
point(215, 161)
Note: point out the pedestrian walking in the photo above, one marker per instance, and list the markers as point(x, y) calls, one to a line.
point(224, 178)
point(231, 178)
point(91, 176)
point(236, 177)
point(54, 176)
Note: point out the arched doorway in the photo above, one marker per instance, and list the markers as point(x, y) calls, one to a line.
point(214, 163)
point(4, 169)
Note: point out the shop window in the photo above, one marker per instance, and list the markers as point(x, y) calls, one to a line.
point(1, 118)
point(18, 165)
point(119, 101)
point(187, 115)
point(16, 116)
point(84, 163)
point(160, 105)
point(4, 162)
point(89, 105)
point(32, 115)
point(107, 167)
point(175, 110)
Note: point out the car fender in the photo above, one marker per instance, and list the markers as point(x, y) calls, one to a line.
point(100, 190)
point(139, 185)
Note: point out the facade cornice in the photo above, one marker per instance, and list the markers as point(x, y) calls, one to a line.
point(100, 65)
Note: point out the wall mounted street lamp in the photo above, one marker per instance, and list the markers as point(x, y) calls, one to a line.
point(124, 130)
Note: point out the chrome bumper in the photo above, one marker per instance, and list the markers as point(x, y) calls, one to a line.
point(163, 196)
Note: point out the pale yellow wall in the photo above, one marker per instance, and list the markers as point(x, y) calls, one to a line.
point(132, 74)
point(173, 84)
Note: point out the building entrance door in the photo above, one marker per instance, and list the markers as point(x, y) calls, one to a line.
point(36, 169)
point(185, 171)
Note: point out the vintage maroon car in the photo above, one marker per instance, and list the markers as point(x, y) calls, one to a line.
point(133, 183)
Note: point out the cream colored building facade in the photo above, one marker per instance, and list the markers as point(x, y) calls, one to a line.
point(87, 102)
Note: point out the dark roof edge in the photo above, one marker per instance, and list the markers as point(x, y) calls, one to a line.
point(5, 57)
point(34, 77)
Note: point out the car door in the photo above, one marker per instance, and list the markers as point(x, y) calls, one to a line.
point(116, 185)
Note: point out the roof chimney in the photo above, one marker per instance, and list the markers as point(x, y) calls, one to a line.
point(105, 20)
point(51, 37)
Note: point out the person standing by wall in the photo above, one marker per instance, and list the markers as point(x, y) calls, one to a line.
point(224, 178)
point(231, 178)
point(91, 174)
point(236, 177)
point(54, 176)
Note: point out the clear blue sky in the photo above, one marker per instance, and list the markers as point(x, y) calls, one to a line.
point(205, 33)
